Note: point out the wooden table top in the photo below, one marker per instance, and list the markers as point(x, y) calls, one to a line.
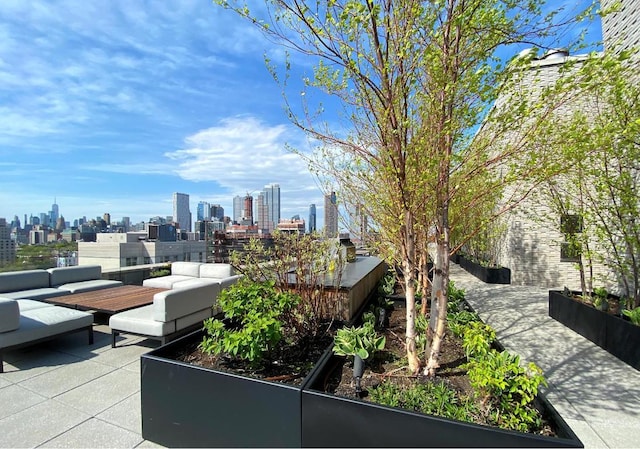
point(109, 300)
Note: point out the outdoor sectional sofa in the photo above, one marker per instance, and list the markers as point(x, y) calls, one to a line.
point(188, 274)
point(24, 322)
point(190, 300)
point(44, 284)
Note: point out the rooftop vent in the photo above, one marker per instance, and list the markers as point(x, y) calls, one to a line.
point(555, 53)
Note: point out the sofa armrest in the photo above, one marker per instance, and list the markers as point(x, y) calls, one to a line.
point(9, 315)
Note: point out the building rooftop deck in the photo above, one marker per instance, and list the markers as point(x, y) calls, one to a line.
point(65, 393)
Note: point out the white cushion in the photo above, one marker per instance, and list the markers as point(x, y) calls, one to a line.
point(66, 275)
point(12, 281)
point(186, 268)
point(165, 281)
point(194, 318)
point(88, 286)
point(9, 315)
point(38, 293)
point(216, 270)
point(45, 322)
point(29, 304)
point(140, 321)
point(174, 304)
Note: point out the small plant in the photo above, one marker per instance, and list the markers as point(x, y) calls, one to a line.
point(159, 273)
point(387, 285)
point(633, 314)
point(508, 388)
point(433, 398)
point(477, 339)
point(600, 298)
point(459, 321)
point(359, 340)
point(255, 313)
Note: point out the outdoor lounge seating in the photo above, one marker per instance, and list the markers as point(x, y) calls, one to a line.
point(189, 274)
point(173, 312)
point(24, 322)
point(51, 283)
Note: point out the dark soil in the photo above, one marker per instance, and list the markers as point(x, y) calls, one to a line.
point(289, 364)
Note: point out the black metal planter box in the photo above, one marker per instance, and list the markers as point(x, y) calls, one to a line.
point(333, 421)
point(615, 335)
point(489, 275)
point(189, 406)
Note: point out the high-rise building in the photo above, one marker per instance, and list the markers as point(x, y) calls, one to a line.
point(331, 215)
point(203, 211)
point(247, 215)
point(7, 245)
point(312, 218)
point(217, 212)
point(54, 213)
point(181, 212)
point(237, 208)
point(262, 215)
point(107, 217)
point(272, 200)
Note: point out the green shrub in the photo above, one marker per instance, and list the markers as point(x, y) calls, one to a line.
point(634, 315)
point(256, 312)
point(459, 321)
point(477, 339)
point(508, 389)
point(160, 273)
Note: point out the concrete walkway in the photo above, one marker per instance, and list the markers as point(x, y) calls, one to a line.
point(597, 394)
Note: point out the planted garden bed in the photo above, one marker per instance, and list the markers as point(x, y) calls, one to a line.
point(330, 401)
point(490, 275)
point(186, 404)
point(616, 335)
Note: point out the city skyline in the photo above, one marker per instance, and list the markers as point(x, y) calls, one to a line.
point(112, 106)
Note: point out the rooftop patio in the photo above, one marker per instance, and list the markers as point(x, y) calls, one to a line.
point(65, 393)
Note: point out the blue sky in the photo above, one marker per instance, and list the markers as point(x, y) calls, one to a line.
point(113, 105)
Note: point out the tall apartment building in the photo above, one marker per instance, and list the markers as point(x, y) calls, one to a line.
point(331, 215)
point(237, 208)
point(272, 200)
point(181, 212)
point(312, 218)
point(7, 245)
point(247, 215)
point(621, 30)
point(203, 212)
point(536, 252)
point(262, 212)
point(217, 212)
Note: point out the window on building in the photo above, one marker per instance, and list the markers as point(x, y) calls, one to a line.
point(571, 225)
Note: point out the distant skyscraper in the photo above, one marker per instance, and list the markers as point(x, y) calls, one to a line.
point(262, 213)
point(181, 212)
point(107, 217)
point(312, 218)
point(204, 211)
point(237, 208)
point(54, 213)
point(247, 215)
point(331, 215)
point(272, 200)
point(7, 245)
point(217, 211)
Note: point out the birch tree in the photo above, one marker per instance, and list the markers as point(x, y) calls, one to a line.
point(414, 79)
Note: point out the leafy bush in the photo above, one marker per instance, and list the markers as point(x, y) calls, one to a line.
point(361, 340)
point(459, 321)
point(160, 273)
point(432, 398)
point(477, 339)
point(387, 285)
point(508, 389)
point(255, 313)
point(634, 315)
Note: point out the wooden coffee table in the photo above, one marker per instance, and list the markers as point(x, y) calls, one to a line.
point(109, 300)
